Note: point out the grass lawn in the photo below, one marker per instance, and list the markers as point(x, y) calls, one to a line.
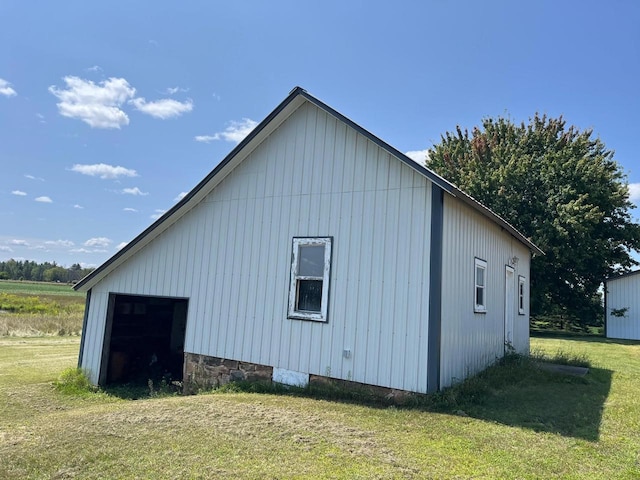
point(524, 424)
point(39, 288)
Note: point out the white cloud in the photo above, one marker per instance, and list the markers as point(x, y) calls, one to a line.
point(419, 156)
point(20, 243)
point(165, 108)
point(98, 242)
point(121, 245)
point(20, 193)
point(5, 249)
point(80, 250)
point(44, 199)
point(174, 90)
point(95, 68)
point(59, 243)
point(78, 206)
point(41, 118)
point(6, 90)
point(98, 105)
point(134, 191)
point(31, 177)
point(235, 132)
point(634, 192)
point(158, 214)
point(128, 209)
point(180, 196)
point(205, 138)
point(103, 170)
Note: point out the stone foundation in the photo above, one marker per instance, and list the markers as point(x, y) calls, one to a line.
point(390, 395)
point(202, 372)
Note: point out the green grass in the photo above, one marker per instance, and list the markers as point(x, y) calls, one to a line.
point(513, 421)
point(36, 309)
point(38, 288)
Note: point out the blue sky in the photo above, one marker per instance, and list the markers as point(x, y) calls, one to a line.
point(110, 111)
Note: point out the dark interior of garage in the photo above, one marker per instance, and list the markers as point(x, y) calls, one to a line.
point(146, 339)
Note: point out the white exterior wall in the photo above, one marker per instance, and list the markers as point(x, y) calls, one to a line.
point(472, 341)
point(231, 256)
point(624, 292)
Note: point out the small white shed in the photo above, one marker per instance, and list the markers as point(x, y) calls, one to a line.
point(622, 306)
point(313, 250)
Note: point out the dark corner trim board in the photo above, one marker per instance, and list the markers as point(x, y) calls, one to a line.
point(606, 316)
point(435, 290)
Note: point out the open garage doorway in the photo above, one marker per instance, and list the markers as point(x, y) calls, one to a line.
point(144, 339)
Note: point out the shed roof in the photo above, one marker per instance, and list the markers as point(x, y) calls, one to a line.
point(290, 104)
point(622, 275)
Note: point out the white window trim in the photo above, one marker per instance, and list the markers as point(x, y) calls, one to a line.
point(477, 307)
point(521, 295)
point(321, 316)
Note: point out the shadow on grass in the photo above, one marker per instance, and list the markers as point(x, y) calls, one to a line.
point(143, 390)
point(514, 392)
point(533, 398)
point(127, 391)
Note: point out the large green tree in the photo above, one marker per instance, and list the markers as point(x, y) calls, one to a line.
point(561, 188)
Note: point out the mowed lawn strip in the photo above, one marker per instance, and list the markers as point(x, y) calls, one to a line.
point(46, 434)
point(39, 288)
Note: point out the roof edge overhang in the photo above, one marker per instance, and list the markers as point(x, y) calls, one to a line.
point(290, 104)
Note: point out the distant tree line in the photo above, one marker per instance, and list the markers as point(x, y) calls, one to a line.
point(41, 272)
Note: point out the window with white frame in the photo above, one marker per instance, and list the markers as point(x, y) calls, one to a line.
point(309, 287)
point(480, 291)
point(521, 295)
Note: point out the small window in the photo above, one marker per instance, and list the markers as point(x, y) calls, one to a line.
point(480, 293)
point(521, 295)
point(309, 287)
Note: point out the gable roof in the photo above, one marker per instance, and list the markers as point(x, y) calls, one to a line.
point(297, 97)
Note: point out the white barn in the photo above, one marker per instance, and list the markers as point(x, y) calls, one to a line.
point(313, 250)
point(622, 306)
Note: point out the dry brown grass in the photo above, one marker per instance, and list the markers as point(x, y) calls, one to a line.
point(36, 325)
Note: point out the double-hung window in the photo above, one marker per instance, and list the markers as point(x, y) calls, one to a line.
point(521, 295)
point(309, 287)
point(480, 291)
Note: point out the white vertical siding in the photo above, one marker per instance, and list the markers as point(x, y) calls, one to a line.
point(624, 292)
point(94, 335)
point(471, 341)
point(230, 255)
